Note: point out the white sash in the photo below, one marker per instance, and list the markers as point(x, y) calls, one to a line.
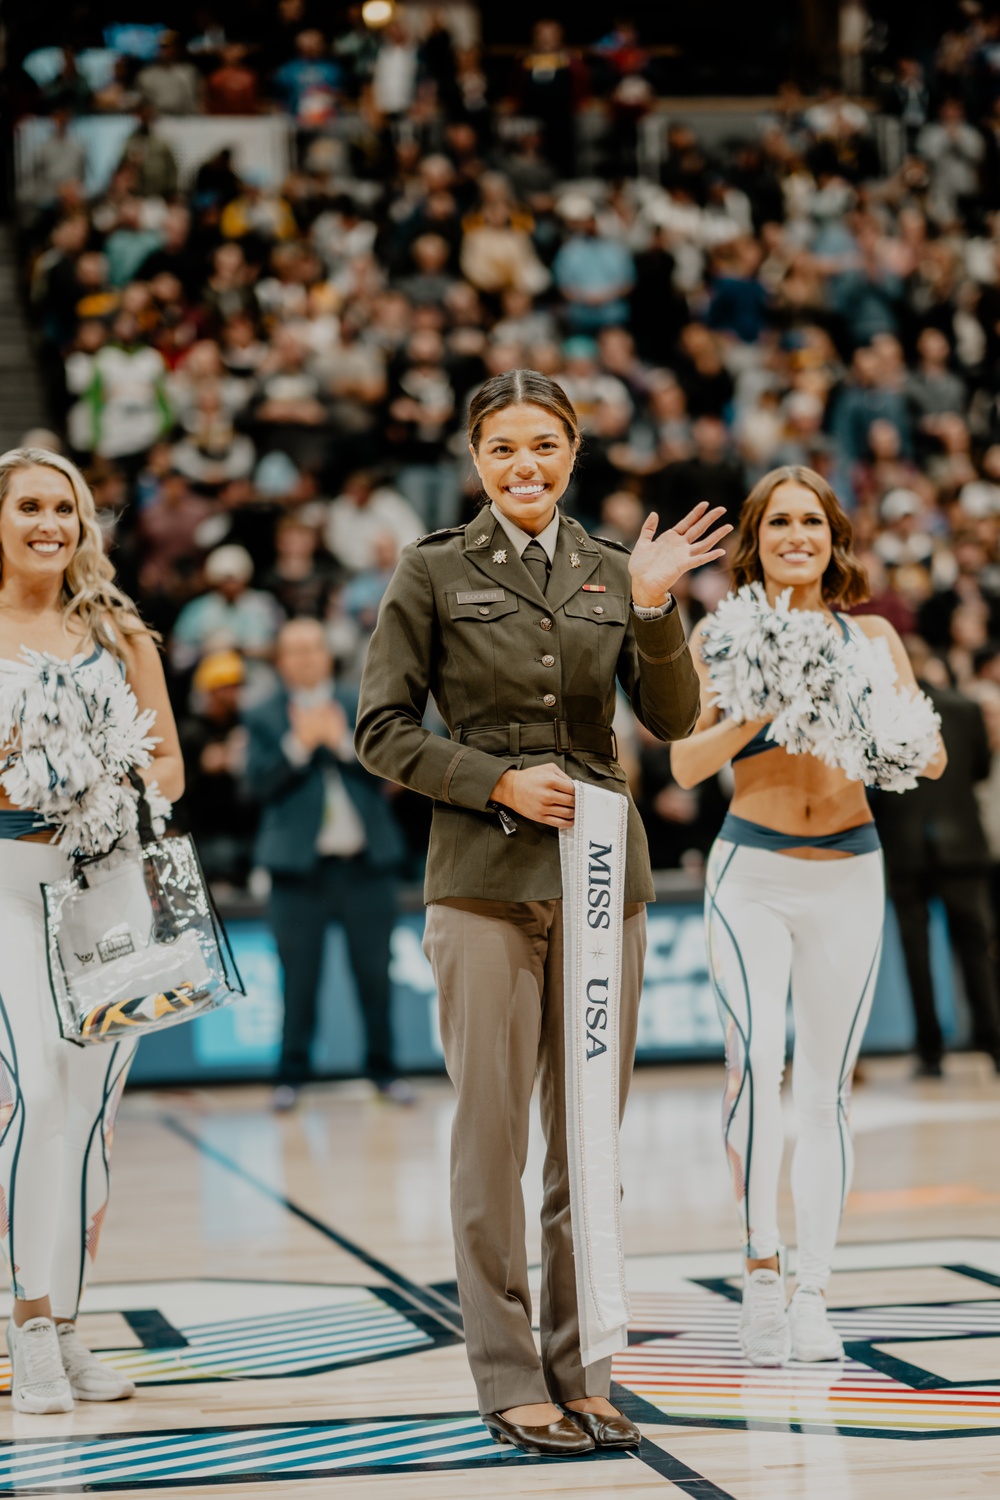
point(592, 854)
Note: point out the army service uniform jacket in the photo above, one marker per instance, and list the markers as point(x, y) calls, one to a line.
point(520, 678)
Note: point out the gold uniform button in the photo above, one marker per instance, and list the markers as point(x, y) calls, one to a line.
point(545, 623)
point(549, 700)
point(548, 661)
point(483, 610)
point(598, 609)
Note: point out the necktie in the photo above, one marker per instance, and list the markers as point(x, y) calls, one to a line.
point(537, 564)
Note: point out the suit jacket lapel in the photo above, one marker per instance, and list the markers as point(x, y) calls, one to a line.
point(565, 579)
point(485, 541)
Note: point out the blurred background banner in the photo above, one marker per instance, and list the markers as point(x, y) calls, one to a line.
point(678, 1021)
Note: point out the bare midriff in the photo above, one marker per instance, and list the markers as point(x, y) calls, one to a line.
point(6, 805)
point(8, 652)
point(798, 794)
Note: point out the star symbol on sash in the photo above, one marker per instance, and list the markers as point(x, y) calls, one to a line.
point(574, 559)
point(500, 557)
point(596, 953)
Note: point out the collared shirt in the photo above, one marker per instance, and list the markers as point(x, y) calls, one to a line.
point(520, 539)
point(341, 831)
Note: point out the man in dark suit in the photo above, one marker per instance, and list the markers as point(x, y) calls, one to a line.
point(328, 837)
point(935, 846)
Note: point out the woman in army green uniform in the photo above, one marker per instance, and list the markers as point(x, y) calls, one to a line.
point(520, 625)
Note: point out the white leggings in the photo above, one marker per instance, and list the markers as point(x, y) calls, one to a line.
point(57, 1102)
point(813, 927)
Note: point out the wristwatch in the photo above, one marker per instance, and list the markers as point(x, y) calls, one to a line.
point(657, 611)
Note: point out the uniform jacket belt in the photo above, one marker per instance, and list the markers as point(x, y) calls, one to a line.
point(555, 734)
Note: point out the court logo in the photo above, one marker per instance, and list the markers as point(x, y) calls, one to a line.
point(922, 1354)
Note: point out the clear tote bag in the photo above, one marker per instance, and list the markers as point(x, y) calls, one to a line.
point(134, 942)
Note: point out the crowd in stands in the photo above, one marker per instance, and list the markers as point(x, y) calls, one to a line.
point(267, 381)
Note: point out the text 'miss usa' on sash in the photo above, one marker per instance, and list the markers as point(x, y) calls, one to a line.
point(592, 855)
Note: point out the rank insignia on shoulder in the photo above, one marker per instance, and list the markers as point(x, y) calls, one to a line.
point(594, 588)
point(434, 536)
point(607, 542)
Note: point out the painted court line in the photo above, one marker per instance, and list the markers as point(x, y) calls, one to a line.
point(431, 1301)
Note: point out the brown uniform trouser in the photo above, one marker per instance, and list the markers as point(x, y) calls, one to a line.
point(498, 966)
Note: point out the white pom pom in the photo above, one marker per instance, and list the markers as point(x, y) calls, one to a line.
point(71, 748)
point(824, 696)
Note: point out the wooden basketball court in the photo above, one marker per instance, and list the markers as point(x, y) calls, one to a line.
point(281, 1289)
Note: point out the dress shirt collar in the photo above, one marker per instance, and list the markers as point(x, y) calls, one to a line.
point(520, 539)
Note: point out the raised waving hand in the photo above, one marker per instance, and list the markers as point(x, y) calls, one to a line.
point(658, 561)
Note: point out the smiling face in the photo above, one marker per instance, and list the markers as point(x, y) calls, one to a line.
point(39, 524)
point(794, 542)
point(525, 458)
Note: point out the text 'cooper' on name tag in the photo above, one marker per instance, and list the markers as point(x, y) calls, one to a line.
point(481, 596)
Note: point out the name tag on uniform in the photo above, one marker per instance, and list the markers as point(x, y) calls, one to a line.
point(481, 596)
point(595, 588)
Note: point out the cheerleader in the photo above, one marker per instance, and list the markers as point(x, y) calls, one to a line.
point(57, 1101)
point(794, 902)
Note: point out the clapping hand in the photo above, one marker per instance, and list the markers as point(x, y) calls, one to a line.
point(658, 561)
point(326, 724)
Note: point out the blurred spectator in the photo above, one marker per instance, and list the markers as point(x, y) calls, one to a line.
point(934, 388)
point(935, 847)
point(430, 282)
point(150, 157)
point(214, 807)
point(709, 474)
point(553, 83)
point(739, 302)
point(908, 96)
point(168, 527)
point(230, 615)
point(868, 394)
point(329, 841)
point(363, 594)
point(123, 407)
point(973, 581)
point(301, 577)
point(362, 513)
point(497, 252)
point(593, 274)
point(212, 453)
point(60, 158)
point(170, 85)
point(288, 408)
point(707, 384)
point(233, 88)
point(129, 243)
point(309, 84)
point(955, 151)
point(394, 71)
point(421, 411)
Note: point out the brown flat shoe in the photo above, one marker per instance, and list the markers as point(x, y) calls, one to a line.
point(557, 1440)
point(607, 1432)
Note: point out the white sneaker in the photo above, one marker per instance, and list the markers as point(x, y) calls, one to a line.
point(765, 1336)
point(89, 1378)
point(813, 1338)
point(37, 1379)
